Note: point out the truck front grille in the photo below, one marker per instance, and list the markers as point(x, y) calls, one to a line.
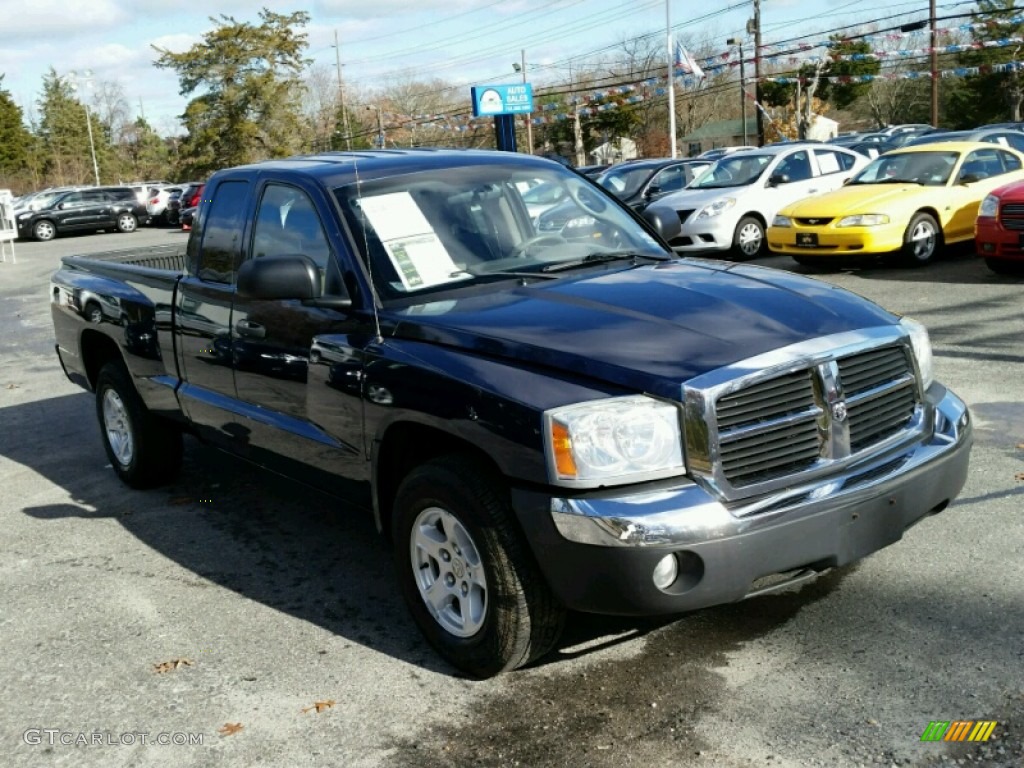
point(801, 420)
point(769, 428)
point(1012, 216)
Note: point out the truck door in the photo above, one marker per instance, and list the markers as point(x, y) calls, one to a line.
point(298, 369)
point(203, 317)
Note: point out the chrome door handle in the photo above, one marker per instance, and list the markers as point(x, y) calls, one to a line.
point(252, 330)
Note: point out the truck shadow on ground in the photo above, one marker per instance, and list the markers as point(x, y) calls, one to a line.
point(274, 541)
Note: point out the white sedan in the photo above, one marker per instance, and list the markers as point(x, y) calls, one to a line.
point(729, 207)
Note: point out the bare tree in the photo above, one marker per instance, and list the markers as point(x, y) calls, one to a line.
point(111, 107)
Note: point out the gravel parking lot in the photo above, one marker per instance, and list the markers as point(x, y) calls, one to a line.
point(247, 621)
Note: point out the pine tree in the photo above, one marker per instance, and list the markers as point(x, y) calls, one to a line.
point(249, 76)
point(16, 144)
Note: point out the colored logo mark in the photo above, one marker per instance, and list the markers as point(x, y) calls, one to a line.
point(959, 730)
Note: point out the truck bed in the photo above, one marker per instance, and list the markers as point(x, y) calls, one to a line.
point(165, 258)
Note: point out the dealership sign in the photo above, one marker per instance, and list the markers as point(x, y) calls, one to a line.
point(492, 100)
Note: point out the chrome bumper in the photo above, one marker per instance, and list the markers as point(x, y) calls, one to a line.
point(923, 477)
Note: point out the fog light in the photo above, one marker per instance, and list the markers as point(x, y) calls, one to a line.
point(665, 572)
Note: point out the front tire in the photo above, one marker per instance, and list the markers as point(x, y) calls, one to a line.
point(144, 450)
point(748, 239)
point(44, 230)
point(466, 572)
point(126, 222)
point(921, 241)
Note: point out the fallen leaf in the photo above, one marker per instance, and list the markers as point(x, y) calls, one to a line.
point(13, 386)
point(1019, 476)
point(319, 706)
point(230, 729)
point(1020, 446)
point(179, 500)
point(169, 666)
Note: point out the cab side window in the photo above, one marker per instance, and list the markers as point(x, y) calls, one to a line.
point(287, 223)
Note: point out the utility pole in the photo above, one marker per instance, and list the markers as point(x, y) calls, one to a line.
point(934, 64)
point(743, 88)
point(87, 78)
point(341, 93)
point(757, 71)
point(671, 80)
point(528, 118)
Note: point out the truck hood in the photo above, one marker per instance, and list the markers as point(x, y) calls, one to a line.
point(644, 328)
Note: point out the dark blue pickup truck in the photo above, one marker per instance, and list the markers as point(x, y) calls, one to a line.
point(539, 420)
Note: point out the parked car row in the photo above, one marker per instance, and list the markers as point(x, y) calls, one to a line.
point(45, 214)
point(77, 210)
point(823, 203)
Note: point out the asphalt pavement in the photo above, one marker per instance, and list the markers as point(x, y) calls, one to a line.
point(236, 620)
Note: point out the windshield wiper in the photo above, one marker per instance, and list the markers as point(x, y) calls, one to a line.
point(500, 275)
point(601, 256)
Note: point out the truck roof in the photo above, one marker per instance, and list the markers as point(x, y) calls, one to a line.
point(339, 168)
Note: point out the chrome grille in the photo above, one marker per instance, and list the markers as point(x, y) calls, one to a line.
point(880, 394)
point(769, 428)
point(829, 411)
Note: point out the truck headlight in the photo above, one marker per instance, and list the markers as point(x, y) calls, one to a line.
point(716, 208)
point(989, 206)
point(863, 220)
point(612, 441)
point(782, 221)
point(922, 349)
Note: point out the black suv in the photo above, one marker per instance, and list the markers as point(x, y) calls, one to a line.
point(84, 210)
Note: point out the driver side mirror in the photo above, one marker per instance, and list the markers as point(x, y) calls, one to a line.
point(287, 277)
point(652, 191)
point(777, 178)
point(969, 178)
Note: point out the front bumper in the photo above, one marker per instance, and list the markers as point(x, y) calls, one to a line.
point(708, 234)
point(994, 242)
point(598, 551)
point(837, 241)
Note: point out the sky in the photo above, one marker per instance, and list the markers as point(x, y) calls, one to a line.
point(383, 41)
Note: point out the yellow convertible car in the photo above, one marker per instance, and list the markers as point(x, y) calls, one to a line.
point(908, 201)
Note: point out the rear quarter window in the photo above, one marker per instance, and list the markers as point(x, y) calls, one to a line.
point(216, 246)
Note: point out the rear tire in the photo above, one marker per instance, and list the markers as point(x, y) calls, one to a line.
point(144, 450)
point(921, 241)
point(748, 240)
point(466, 572)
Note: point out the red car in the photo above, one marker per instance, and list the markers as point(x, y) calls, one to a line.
point(999, 229)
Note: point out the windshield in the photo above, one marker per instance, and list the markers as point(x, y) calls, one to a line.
point(929, 168)
point(736, 170)
point(434, 231)
point(626, 181)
